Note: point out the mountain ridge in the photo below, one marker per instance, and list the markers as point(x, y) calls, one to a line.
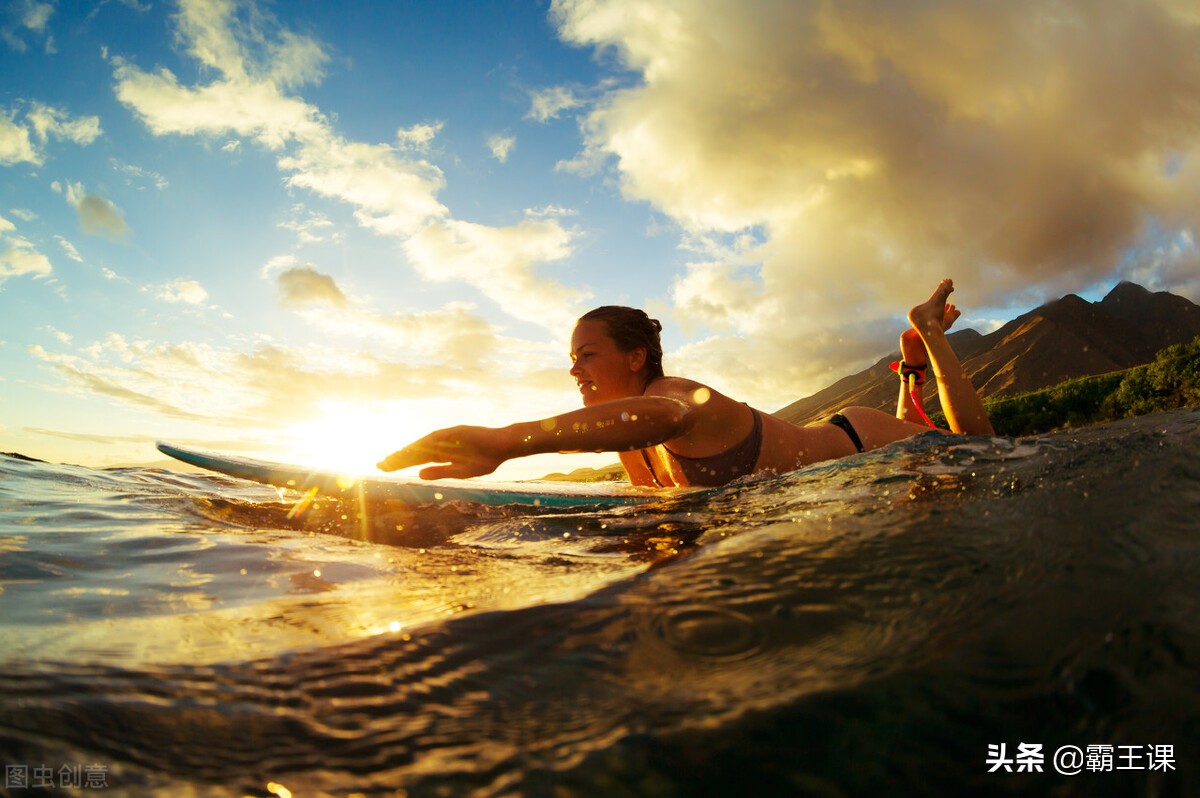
point(1064, 339)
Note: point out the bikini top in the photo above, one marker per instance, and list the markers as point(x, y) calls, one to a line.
point(718, 469)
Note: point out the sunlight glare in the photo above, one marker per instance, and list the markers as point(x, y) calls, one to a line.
point(278, 789)
point(350, 438)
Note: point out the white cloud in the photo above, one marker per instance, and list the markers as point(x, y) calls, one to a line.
point(39, 123)
point(418, 138)
point(18, 255)
point(500, 262)
point(501, 146)
point(453, 342)
point(15, 144)
point(205, 29)
point(48, 121)
point(295, 61)
point(35, 16)
point(309, 226)
point(69, 249)
point(138, 176)
point(277, 264)
point(27, 15)
point(720, 295)
point(547, 104)
point(550, 210)
point(243, 107)
point(181, 291)
point(167, 380)
point(392, 195)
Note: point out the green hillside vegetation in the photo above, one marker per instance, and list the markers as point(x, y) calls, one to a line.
point(1171, 381)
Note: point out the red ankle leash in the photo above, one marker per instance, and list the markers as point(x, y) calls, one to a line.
point(912, 376)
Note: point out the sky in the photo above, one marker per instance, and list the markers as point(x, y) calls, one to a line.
point(314, 231)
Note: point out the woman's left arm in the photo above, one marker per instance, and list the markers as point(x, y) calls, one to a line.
point(617, 426)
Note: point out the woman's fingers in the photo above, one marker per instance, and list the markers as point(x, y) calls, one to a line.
point(411, 455)
point(397, 460)
point(461, 449)
point(457, 470)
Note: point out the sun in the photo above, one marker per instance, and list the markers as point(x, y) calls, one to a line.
point(351, 437)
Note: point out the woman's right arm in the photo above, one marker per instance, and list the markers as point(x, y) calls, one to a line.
point(617, 426)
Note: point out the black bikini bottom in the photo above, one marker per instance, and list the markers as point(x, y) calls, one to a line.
point(838, 420)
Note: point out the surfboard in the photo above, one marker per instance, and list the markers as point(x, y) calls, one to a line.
point(414, 490)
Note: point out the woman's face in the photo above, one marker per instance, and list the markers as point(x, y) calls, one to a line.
point(601, 369)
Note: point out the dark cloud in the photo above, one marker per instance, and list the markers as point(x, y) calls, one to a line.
point(880, 145)
point(302, 286)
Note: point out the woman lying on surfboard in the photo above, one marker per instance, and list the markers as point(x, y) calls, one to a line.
point(674, 431)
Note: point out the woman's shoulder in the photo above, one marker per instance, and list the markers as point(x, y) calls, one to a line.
point(673, 386)
point(685, 390)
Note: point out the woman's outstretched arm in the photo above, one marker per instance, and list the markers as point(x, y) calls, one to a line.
point(618, 426)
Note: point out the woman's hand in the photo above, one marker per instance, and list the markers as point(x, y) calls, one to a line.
point(467, 451)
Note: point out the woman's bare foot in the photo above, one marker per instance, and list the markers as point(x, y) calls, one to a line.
point(928, 317)
point(912, 348)
point(960, 401)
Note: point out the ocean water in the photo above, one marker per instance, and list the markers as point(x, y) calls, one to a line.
point(946, 616)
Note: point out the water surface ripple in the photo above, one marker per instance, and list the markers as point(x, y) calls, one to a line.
point(865, 627)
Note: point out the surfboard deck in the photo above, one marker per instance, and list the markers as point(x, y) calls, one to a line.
point(414, 490)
